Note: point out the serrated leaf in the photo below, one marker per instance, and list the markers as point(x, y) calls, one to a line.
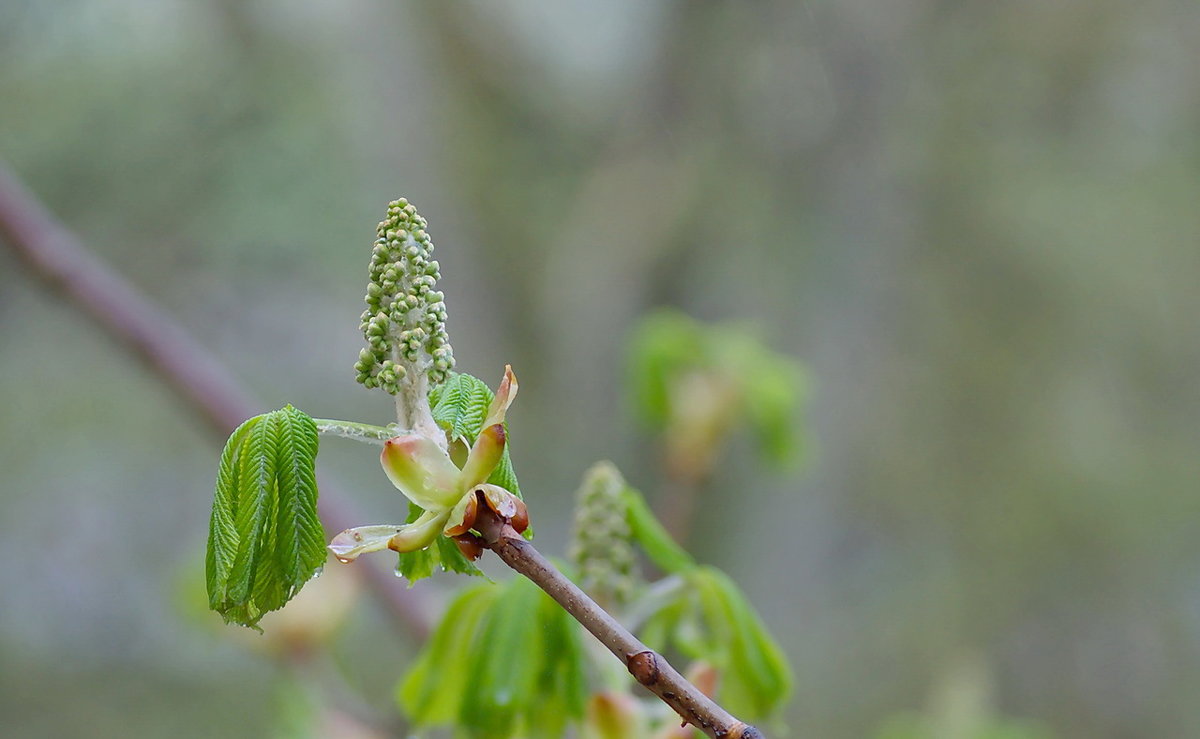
point(662, 343)
point(652, 537)
point(505, 661)
point(756, 678)
point(460, 404)
point(265, 539)
point(505, 666)
point(433, 691)
point(459, 407)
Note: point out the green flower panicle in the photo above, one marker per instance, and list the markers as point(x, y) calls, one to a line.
point(405, 321)
point(601, 547)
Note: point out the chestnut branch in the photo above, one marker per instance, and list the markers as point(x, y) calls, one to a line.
point(647, 666)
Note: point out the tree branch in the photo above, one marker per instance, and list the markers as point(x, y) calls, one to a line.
point(65, 265)
point(647, 666)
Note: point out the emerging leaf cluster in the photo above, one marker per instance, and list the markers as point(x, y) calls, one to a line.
point(505, 661)
point(669, 351)
point(459, 408)
point(265, 539)
point(709, 619)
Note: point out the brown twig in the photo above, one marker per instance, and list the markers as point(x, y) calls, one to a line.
point(55, 255)
point(647, 666)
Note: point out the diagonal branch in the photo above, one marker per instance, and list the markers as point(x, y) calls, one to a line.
point(647, 666)
point(56, 256)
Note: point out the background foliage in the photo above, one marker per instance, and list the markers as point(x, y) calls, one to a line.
point(975, 223)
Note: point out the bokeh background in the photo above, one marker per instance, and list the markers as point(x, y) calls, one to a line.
point(977, 224)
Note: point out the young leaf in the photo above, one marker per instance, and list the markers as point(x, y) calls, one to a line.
point(506, 661)
point(265, 539)
point(663, 343)
point(765, 388)
point(433, 691)
point(459, 407)
point(653, 538)
point(756, 677)
point(505, 666)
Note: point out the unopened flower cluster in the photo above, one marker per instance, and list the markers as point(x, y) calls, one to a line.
point(405, 320)
point(601, 547)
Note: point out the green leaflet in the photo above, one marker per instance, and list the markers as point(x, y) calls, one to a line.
point(432, 693)
point(652, 537)
point(265, 539)
point(756, 678)
point(459, 406)
point(668, 345)
point(505, 661)
point(663, 343)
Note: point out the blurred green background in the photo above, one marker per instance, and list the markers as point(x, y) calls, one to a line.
point(976, 223)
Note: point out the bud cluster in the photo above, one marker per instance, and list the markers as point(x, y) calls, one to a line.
point(405, 320)
point(601, 547)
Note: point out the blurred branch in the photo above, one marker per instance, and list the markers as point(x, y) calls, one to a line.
point(65, 266)
point(647, 666)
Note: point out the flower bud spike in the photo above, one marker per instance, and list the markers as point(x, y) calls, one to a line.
point(405, 318)
point(602, 546)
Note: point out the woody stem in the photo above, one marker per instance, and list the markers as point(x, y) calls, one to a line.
point(647, 666)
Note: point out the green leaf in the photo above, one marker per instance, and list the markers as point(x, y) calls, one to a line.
point(433, 691)
point(459, 407)
point(460, 404)
point(662, 344)
point(505, 666)
point(505, 661)
point(773, 392)
point(756, 678)
point(652, 537)
point(265, 539)
point(562, 690)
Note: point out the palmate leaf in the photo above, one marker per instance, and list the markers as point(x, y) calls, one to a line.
point(667, 346)
point(459, 406)
point(652, 537)
point(756, 677)
point(505, 661)
point(265, 539)
point(433, 691)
